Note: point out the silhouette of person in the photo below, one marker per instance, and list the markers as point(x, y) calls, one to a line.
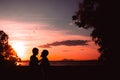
point(33, 59)
point(44, 64)
point(34, 67)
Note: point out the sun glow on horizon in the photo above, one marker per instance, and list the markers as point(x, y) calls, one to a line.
point(23, 36)
point(19, 47)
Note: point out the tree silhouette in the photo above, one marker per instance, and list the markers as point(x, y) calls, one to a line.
point(100, 15)
point(8, 56)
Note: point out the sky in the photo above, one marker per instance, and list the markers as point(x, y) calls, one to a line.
point(46, 24)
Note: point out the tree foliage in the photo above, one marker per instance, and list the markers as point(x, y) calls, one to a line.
point(100, 15)
point(8, 56)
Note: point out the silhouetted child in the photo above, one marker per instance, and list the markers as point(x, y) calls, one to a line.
point(33, 64)
point(33, 59)
point(44, 64)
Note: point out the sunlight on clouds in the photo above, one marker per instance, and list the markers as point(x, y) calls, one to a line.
point(73, 52)
point(24, 36)
point(19, 48)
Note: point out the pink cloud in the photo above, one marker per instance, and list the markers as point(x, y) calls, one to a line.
point(35, 34)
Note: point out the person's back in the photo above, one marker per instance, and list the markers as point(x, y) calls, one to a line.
point(33, 59)
point(44, 65)
point(33, 64)
point(44, 61)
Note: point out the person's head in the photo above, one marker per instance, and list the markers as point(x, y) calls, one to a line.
point(44, 53)
point(35, 51)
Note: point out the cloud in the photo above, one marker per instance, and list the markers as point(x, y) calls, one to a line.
point(66, 43)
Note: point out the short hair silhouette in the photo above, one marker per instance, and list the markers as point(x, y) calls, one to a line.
point(44, 53)
point(33, 59)
point(35, 51)
point(44, 65)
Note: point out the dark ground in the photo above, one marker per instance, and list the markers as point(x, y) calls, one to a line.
point(96, 72)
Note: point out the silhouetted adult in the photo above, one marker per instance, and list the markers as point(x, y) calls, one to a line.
point(33, 59)
point(44, 64)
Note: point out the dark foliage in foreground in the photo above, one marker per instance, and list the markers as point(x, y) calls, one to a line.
point(101, 15)
point(8, 56)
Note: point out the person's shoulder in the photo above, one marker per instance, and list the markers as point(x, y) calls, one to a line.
point(32, 56)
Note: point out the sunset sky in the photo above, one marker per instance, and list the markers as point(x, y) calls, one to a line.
point(46, 24)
